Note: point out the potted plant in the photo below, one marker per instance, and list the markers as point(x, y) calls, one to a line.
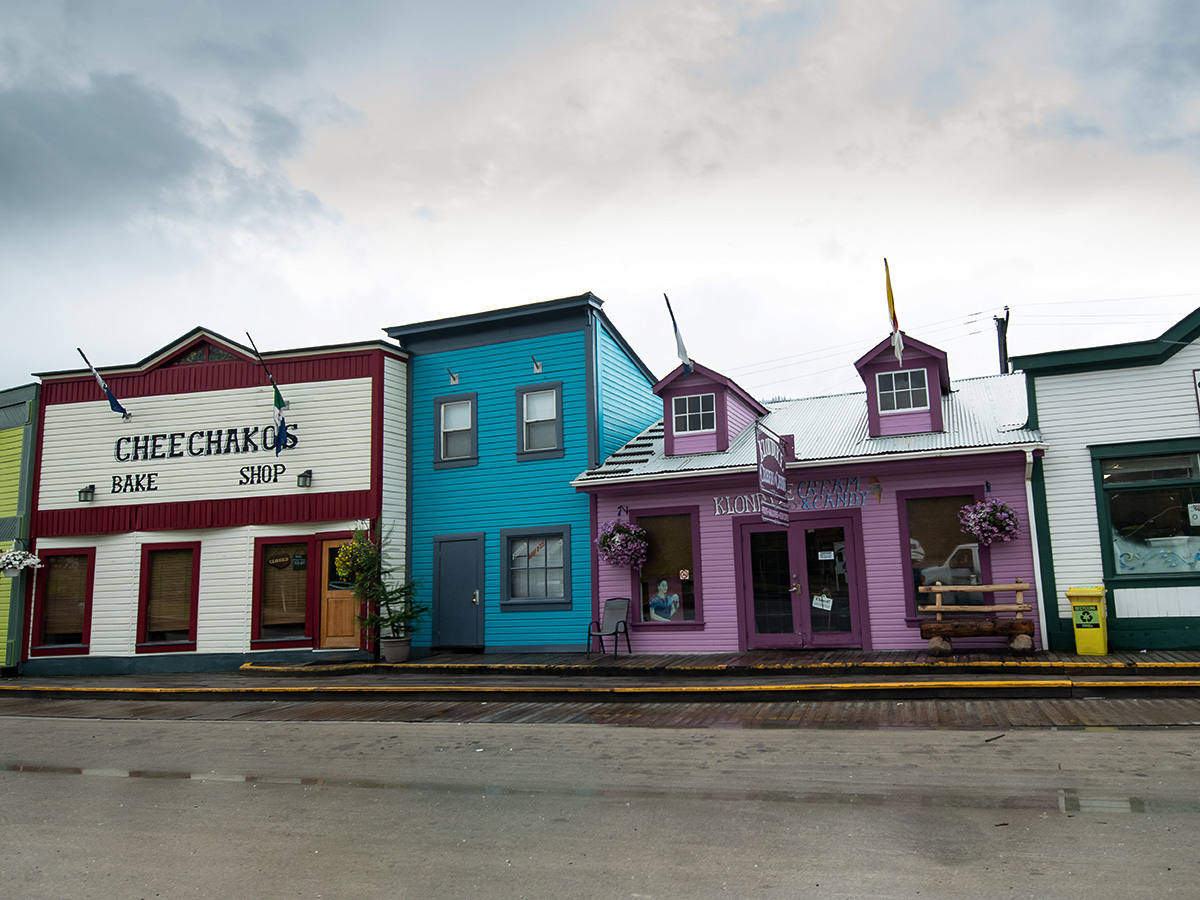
point(392, 613)
point(989, 521)
point(13, 561)
point(623, 544)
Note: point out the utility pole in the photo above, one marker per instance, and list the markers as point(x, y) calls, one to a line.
point(1002, 340)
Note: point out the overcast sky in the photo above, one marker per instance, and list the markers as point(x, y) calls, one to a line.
point(315, 172)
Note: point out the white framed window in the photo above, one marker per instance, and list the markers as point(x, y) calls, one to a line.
point(695, 413)
point(903, 390)
point(457, 431)
point(540, 421)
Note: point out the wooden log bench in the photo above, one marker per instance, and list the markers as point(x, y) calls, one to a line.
point(940, 633)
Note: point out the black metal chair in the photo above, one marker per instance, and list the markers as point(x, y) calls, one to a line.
point(614, 622)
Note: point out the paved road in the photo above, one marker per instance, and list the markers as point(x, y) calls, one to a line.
point(260, 809)
point(1093, 711)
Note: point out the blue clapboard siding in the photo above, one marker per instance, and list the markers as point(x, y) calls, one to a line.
point(502, 492)
point(626, 403)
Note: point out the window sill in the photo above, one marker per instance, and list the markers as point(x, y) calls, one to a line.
point(535, 605)
point(465, 463)
point(180, 647)
point(60, 650)
point(691, 625)
point(280, 643)
point(526, 455)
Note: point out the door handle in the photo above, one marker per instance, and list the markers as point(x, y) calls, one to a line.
point(475, 598)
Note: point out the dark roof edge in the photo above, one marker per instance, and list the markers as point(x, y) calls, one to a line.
point(432, 326)
point(1114, 356)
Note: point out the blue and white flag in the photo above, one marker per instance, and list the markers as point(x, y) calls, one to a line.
point(280, 422)
point(113, 403)
point(680, 349)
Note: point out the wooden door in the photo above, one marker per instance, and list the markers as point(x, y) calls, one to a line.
point(339, 628)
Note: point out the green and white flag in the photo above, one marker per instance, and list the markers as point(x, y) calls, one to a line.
point(280, 422)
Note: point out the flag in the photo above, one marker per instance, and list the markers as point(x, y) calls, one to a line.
point(679, 348)
point(280, 423)
point(280, 403)
point(113, 403)
point(897, 337)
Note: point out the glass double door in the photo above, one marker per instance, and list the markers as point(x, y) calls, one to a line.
point(801, 585)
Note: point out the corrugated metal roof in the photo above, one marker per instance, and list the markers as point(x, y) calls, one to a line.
point(985, 413)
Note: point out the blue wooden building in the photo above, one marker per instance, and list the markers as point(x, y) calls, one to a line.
point(506, 408)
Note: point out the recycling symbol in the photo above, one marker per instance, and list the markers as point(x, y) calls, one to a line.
point(1085, 616)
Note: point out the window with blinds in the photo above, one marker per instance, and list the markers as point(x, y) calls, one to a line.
point(170, 598)
point(65, 604)
point(284, 590)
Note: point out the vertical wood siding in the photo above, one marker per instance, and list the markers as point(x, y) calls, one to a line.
point(394, 507)
point(886, 562)
point(11, 440)
point(1145, 403)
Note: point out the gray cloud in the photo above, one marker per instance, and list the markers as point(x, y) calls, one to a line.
point(109, 146)
point(117, 149)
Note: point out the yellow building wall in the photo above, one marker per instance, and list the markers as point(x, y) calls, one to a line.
point(10, 475)
point(10, 470)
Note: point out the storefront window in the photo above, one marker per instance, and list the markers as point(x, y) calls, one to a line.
point(64, 588)
point(284, 598)
point(668, 579)
point(169, 585)
point(1153, 506)
point(938, 549)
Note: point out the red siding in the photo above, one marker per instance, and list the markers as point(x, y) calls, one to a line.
point(208, 514)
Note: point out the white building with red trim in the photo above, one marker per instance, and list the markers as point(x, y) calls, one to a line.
point(182, 538)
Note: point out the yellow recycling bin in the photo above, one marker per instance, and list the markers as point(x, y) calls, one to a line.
point(1089, 613)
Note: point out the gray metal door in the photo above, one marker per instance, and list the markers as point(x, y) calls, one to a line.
point(458, 591)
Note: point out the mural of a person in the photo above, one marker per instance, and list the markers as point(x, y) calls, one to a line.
point(663, 605)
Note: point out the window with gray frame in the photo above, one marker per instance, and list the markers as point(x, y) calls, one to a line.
point(540, 421)
point(537, 566)
point(457, 431)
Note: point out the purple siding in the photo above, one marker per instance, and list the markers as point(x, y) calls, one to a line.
point(740, 415)
point(889, 625)
point(915, 422)
point(696, 443)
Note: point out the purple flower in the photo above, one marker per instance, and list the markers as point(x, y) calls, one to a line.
point(989, 521)
point(623, 544)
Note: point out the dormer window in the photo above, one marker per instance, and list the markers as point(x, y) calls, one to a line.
point(902, 390)
point(695, 413)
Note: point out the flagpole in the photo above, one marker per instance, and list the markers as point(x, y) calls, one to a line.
point(270, 377)
point(280, 403)
point(113, 403)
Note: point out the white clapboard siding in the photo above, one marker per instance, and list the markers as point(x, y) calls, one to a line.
point(331, 419)
point(226, 582)
point(1145, 403)
point(394, 512)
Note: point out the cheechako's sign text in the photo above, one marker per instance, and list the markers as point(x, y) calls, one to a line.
point(213, 442)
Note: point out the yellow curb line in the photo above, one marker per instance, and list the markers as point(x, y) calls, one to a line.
point(510, 689)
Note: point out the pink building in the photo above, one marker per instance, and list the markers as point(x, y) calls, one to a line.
point(874, 484)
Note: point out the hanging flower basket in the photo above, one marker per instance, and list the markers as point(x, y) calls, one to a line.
point(989, 521)
point(622, 544)
point(13, 561)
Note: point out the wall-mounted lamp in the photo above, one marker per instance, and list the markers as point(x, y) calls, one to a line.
point(453, 377)
point(87, 494)
point(537, 366)
point(304, 479)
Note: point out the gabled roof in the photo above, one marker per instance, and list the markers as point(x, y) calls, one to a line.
point(510, 323)
point(720, 379)
point(910, 343)
point(201, 335)
point(1114, 356)
point(985, 414)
